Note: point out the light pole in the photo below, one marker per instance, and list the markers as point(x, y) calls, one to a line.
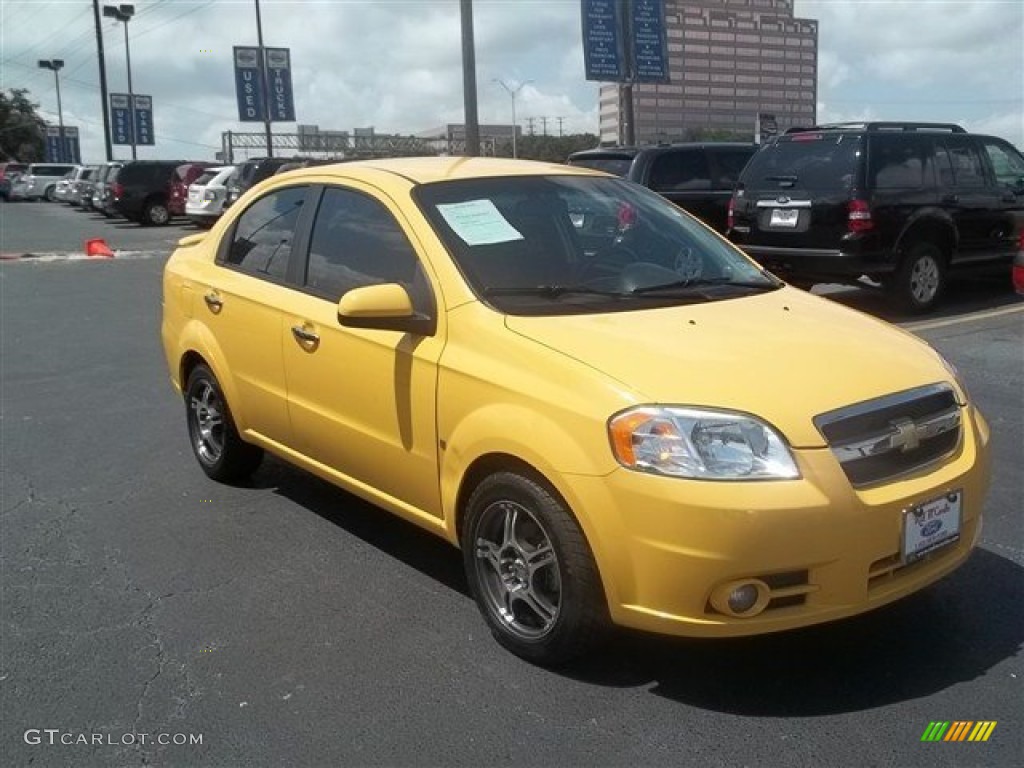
point(513, 92)
point(124, 13)
point(56, 65)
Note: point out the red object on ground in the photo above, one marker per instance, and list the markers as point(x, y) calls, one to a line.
point(97, 248)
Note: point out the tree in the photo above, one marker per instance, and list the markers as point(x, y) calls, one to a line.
point(21, 127)
point(552, 149)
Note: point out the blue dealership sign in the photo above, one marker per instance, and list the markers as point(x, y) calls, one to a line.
point(279, 77)
point(121, 129)
point(143, 108)
point(602, 40)
point(249, 84)
point(53, 152)
point(72, 145)
point(650, 47)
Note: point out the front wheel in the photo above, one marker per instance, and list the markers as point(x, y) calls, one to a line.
point(531, 571)
point(221, 453)
point(919, 282)
point(50, 194)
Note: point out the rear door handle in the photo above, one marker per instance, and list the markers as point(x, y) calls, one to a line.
point(304, 336)
point(951, 199)
point(213, 301)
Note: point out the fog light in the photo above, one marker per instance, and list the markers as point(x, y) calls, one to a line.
point(742, 599)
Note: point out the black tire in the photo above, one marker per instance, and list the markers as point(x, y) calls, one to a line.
point(221, 453)
point(919, 282)
point(155, 214)
point(50, 194)
point(546, 562)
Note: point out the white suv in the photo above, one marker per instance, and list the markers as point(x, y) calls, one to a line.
point(40, 180)
point(206, 195)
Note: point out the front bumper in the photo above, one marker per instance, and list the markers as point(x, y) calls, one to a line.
point(827, 550)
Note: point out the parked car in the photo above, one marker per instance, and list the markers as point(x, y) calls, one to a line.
point(206, 195)
point(79, 183)
point(614, 412)
point(141, 191)
point(63, 188)
point(102, 195)
point(7, 172)
point(251, 173)
point(699, 178)
point(1018, 267)
point(184, 175)
point(39, 181)
point(87, 187)
point(902, 203)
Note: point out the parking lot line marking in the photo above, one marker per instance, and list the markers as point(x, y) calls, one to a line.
point(927, 325)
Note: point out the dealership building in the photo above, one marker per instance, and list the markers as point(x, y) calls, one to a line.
point(728, 61)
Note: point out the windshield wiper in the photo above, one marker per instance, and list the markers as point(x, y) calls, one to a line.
point(549, 291)
point(704, 282)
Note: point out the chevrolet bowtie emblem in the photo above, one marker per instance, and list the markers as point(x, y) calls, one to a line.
point(906, 437)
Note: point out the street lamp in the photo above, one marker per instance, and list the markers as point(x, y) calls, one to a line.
point(56, 65)
point(124, 13)
point(513, 92)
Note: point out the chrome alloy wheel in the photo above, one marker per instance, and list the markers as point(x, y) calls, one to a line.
point(924, 279)
point(207, 416)
point(518, 570)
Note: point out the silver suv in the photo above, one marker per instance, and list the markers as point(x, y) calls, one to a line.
point(40, 180)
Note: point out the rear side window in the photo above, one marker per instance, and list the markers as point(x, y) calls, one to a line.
point(608, 163)
point(816, 162)
point(897, 161)
point(962, 162)
point(205, 179)
point(262, 242)
point(680, 171)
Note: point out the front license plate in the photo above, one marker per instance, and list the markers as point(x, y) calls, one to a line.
point(931, 525)
point(783, 218)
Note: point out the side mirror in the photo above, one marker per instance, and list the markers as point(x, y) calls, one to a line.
point(384, 307)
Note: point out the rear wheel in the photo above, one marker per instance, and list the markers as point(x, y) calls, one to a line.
point(531, 571)
point(155, 213)
point(50, 194)
point(918, 284)
point(221, 453)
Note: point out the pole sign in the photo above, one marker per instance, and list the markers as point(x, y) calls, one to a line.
point(121, 118)
point(72, 145)
point(143, 108)
point(603, 56)
point(279, 75)
point(249, 84)
point(650, 46)
point(53, 152)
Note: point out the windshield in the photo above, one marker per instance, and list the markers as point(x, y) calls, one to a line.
point(205, 178)
point(616, 164)
point(815, 161)
point(571, 244)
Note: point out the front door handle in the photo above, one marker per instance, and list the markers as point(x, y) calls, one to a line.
point(304, 336)
point(951, 199)
point(213, 301)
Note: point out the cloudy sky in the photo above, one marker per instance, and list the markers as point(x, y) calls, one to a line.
point(396, 64)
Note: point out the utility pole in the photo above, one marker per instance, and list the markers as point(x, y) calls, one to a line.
point(560, 119)
point(544, 125)
point(469, 80)
point(529, 124)
point(103, 81)
point(513, 92)
point(266, 85)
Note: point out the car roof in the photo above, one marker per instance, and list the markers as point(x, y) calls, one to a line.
point(632, 151)
point(424, 170)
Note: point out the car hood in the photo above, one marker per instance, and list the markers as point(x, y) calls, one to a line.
point(785, 356)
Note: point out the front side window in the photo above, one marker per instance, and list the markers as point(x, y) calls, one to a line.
point(966, 163)
point(262, 241)
point(1007, 163)
point(357, 242)
point(560, 244)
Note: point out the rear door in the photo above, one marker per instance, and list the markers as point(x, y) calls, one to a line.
point(795, 191)
point(971, 197)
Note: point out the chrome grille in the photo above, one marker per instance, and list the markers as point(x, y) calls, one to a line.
point(894, 435)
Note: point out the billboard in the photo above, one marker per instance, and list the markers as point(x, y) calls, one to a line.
point(279, 77)
point(603, 57)
point(121, 130)
point(650, 46)
point(143, 123)
point(249, 84)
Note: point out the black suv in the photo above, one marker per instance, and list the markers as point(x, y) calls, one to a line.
point(141, 188)
point(699, 178)
point(902, 203)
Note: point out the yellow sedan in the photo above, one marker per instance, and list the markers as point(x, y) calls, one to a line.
point(615, 414)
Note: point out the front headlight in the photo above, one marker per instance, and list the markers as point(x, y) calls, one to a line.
point(700, 444)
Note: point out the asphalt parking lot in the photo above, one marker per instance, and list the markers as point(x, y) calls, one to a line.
point(288, 623)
